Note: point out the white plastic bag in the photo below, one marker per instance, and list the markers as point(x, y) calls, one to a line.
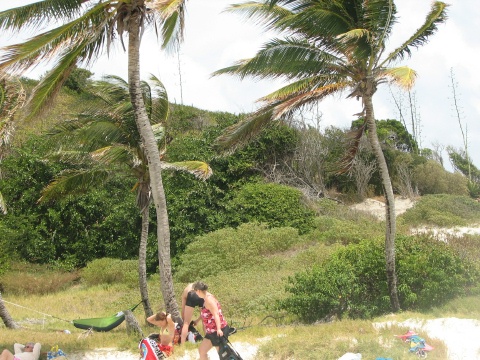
point(351, 356)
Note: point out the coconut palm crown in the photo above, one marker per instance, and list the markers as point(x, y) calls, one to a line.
point(326, 47)
point(83, 30)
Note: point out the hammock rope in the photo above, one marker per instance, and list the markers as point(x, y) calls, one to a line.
point(74, 322)
point(39, 312)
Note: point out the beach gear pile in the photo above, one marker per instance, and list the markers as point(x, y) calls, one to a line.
point(418, 345)
point(56, 354)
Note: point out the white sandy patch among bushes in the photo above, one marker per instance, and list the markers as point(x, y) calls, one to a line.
point(461, 336)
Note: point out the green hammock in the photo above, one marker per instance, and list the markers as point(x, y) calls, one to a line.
point(102, 324)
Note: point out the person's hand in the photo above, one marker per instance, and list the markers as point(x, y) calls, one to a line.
point(219, 332)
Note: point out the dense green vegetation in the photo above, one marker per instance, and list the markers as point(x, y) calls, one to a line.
point(271, 231)
point(276, 275)
point(271, 239)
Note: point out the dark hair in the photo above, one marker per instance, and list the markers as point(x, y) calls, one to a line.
point(200, 286)
point(160, 316)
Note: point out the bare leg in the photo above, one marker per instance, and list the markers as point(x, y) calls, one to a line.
point(186, 321)
point(6, 355)
point(203, 349)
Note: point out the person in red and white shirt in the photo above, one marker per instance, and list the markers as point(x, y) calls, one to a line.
point(214, 322)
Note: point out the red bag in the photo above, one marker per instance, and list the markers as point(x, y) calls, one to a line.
point(149, 350)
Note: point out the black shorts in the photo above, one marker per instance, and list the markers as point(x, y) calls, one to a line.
point(215, 339)
point(194, 300)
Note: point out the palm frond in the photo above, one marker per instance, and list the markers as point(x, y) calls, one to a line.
point(402, 76)
point(67, 156)
point(379, 18)
point(347, 161)
point(322, 21)
point(436, 16)
point(91, 134)
point(88, 32)
point(286, 107)
point(199, 169)
point(38, 14)
point(73, 182)
point(50, 85)
point(161, 109)
point(172, 13)
point(284, 58)
point(111, 89)
point(261, 13)
point(116, 155)
point(242, 132)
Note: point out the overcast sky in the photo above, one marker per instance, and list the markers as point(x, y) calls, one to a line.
point(215, 39)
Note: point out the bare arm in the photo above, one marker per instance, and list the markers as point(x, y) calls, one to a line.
point(151, 320)
point(211, 304)
point(36, 350)
point(18, 348)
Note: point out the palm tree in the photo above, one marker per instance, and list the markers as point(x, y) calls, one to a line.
point(5, 315)
point(105, 141)
point(330, 47)
point(82, 31)
point(12, 98)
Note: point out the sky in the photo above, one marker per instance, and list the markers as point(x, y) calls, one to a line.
point(215, 39)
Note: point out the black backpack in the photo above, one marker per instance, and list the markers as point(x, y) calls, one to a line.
point(227, 352)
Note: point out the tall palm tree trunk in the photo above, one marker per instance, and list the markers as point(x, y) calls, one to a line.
point(390, 217)
point(142, 263)
point(5, 315)
point(153, 158)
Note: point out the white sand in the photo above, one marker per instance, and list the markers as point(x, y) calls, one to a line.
point(461, 336)
point(246, 350)
point(377, 208)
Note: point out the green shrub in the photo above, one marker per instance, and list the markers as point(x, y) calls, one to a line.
point(432, 178)
point(352, 282)
point(111, 271)
point(431, 272)
point(227, 249)
point(273, 204)
point(334, 230)
point(443, 210)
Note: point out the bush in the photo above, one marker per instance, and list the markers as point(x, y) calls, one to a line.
point(432, 178)
point(227, 249)
point(352, 282)
point(275, 205)
point(443, 210)
point(111, 271)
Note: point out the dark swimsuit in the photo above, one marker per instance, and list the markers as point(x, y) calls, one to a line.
point(194, 300)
